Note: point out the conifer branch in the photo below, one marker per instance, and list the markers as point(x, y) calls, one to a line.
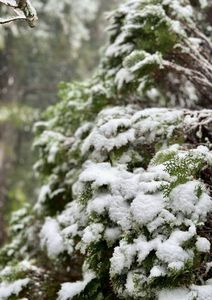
point(195, 76)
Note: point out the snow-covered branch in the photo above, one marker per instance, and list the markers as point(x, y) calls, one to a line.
point(195, 76)
point(23, 11)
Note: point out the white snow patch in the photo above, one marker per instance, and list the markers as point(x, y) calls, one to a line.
point(203, 245)
point(51, 238)
point(122, 258)
point(175, 294)
point(69, 290)
point(8, 289)
point(203, 292)
point(123, 76)
point(146, 207)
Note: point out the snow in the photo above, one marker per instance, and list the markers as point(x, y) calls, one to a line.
point(92, 233)
point(122, 257)
point(130, 285)
point(203, 3)
point(175, 294)
point(146, 207)
point(171, 250)
point(100, 203)
point(103, 174)
point(177, 27)
point(157, 271)
point(44, 192)
point(203, 245)
point(73, 214)
point(71, 220)
point(119, 47)
point(100, 174)
point(184, 199)
point(51, 238)
point(165, 217)
point(122, 126)
point(8, 289)
point(144, 247)
point(111, 127)
point(6, 271)
point(123, 76)
point(112, 234)
point(134, 200)
point(106, 138)
point(172, 253)
point(153, 93)
point(127, 208)
point(10, 2)
point(71, 230)
point(69, 290)
point(119, 213)
point(82, 130)
point(203, 292)
point(182, 11)
point(147, 59)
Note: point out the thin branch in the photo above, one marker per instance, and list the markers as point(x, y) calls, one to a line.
point(8, 20)
point(23, 10)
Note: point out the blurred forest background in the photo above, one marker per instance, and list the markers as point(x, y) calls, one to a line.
point(63, 47)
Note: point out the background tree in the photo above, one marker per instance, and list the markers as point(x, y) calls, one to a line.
point(32, 63)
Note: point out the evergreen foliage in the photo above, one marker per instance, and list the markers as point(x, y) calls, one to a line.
point(126, 191)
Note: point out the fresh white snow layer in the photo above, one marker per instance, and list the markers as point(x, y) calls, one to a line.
point(8, 289)
point(69, 290)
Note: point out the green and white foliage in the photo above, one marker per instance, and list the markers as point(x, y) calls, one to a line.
point(136, 211)
point(157, 50)
point(125, 208)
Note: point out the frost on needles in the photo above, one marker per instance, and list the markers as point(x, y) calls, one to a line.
point(125, 159)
